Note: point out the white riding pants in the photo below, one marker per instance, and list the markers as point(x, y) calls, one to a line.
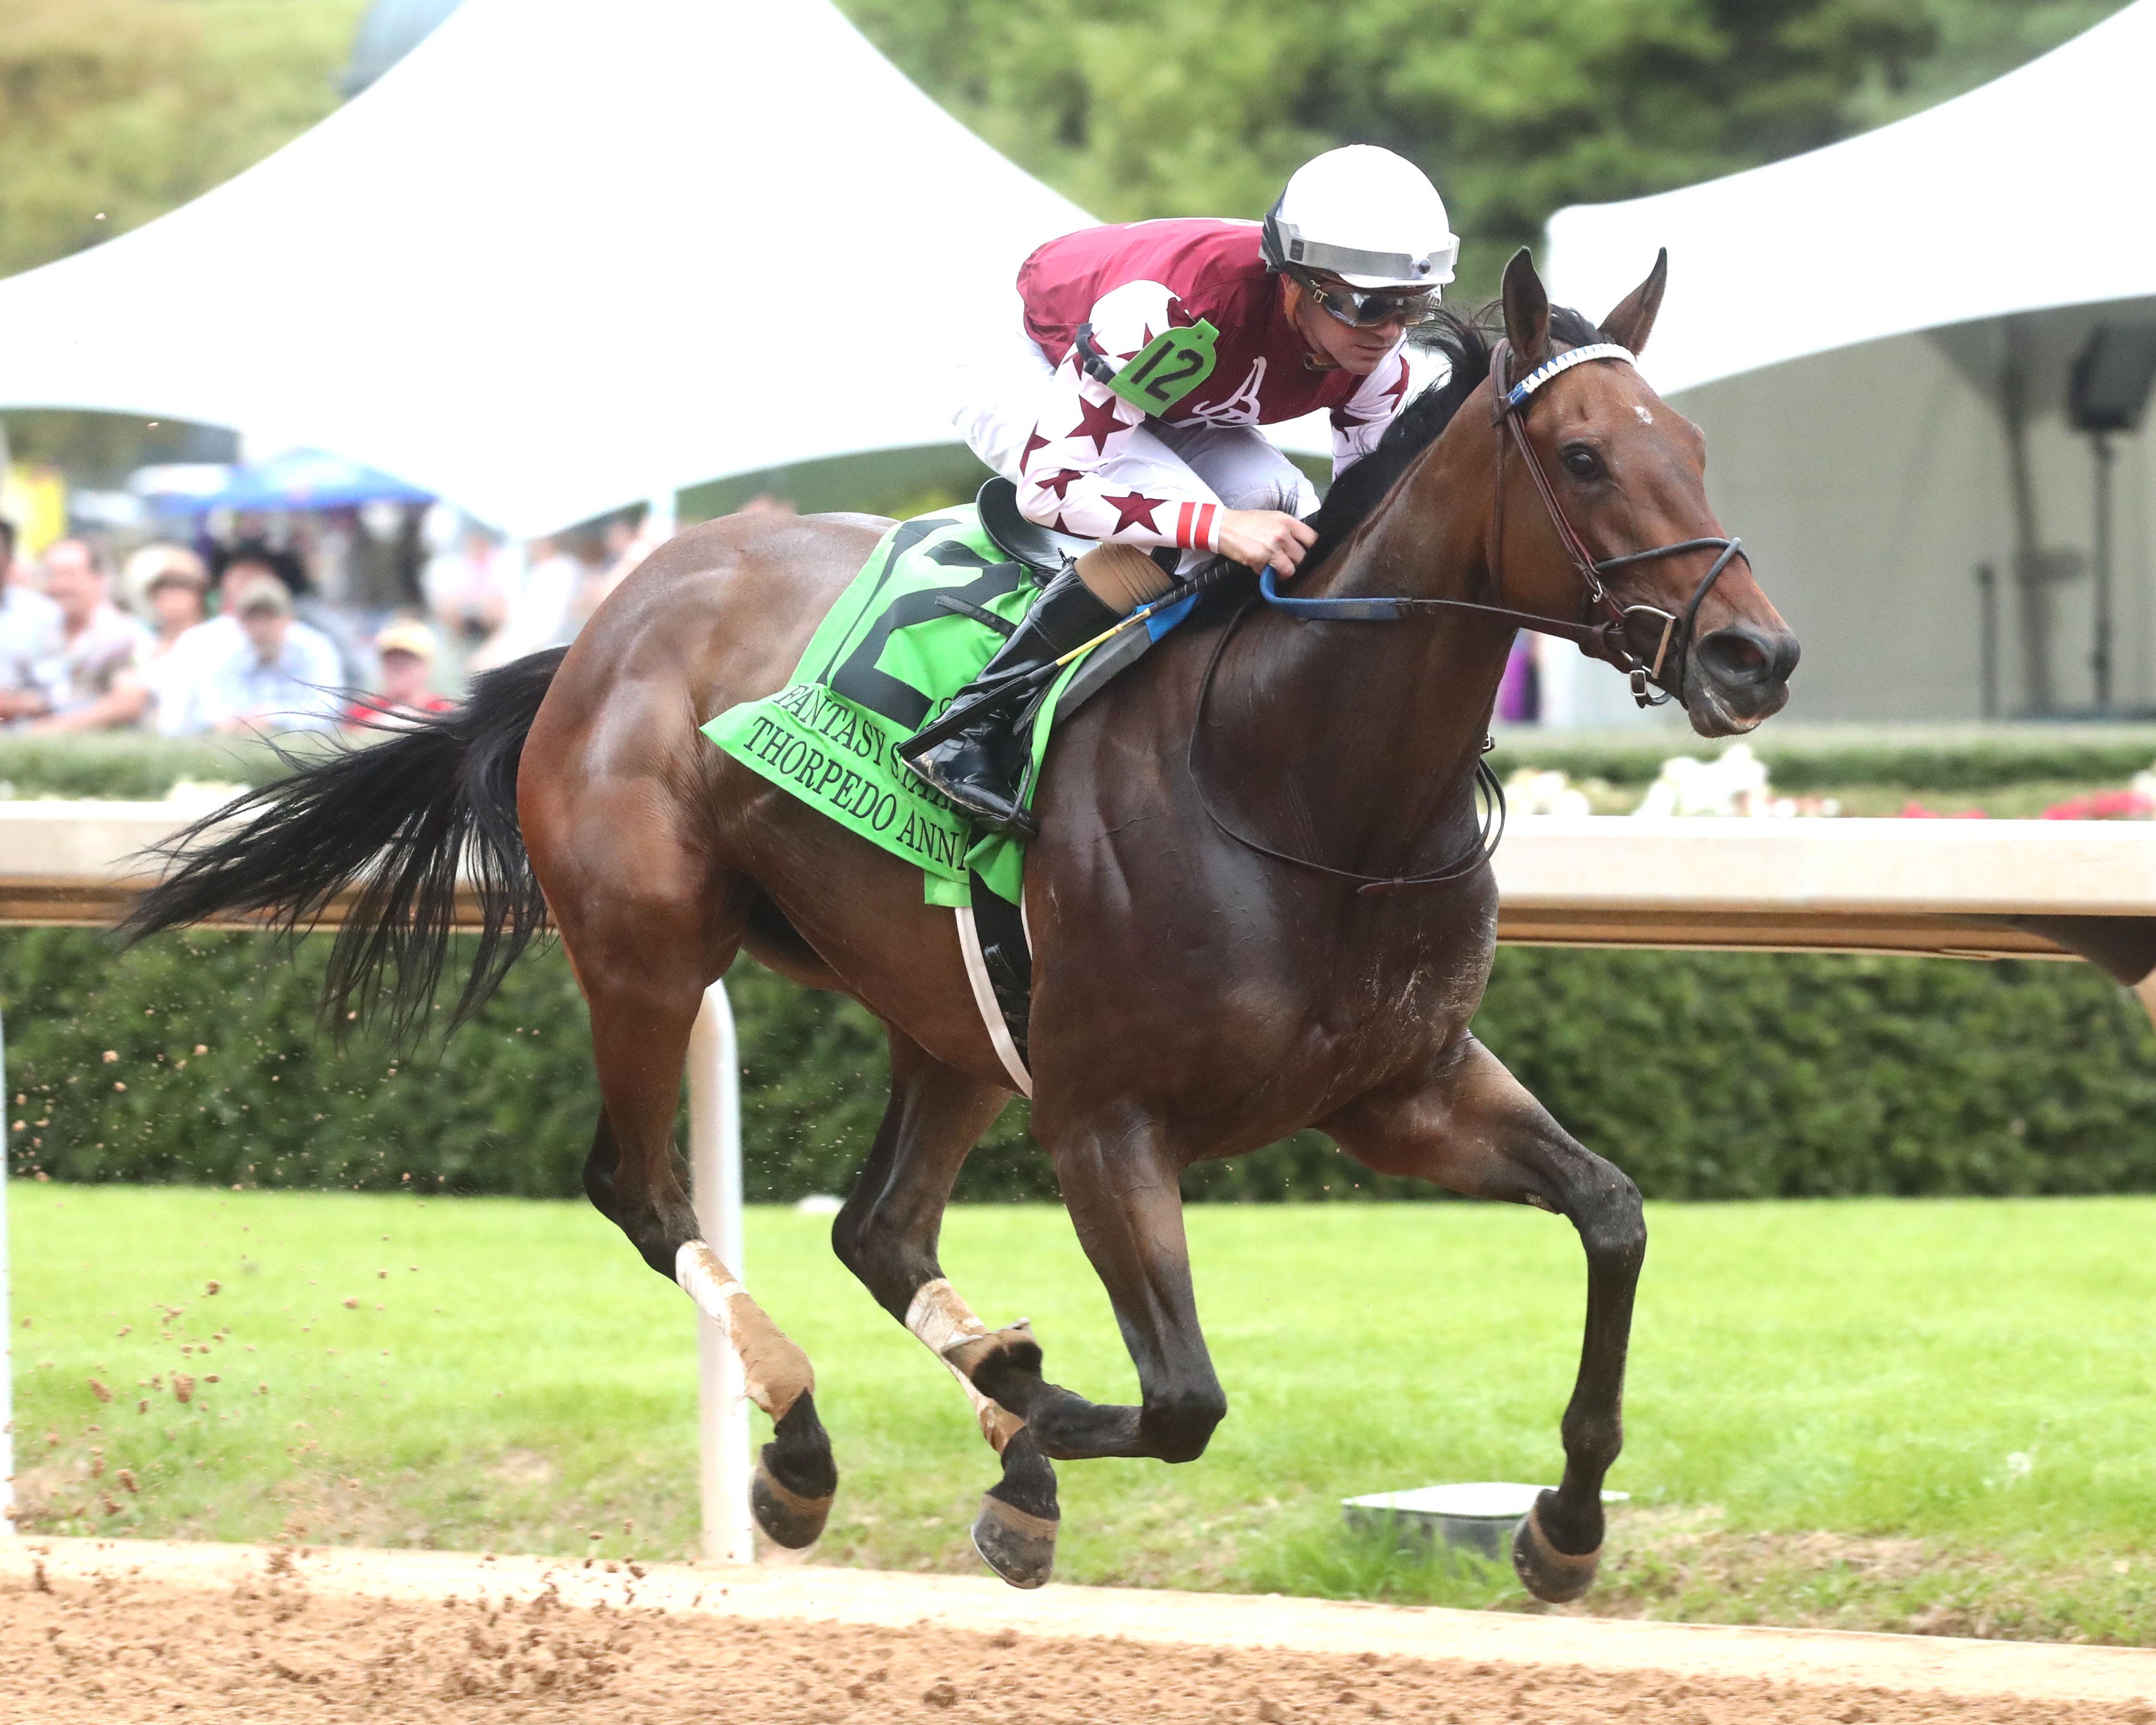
point(1000, 396)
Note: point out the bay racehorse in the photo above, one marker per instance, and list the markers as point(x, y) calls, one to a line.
point(1224, 952)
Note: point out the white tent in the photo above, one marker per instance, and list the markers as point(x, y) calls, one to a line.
point(1876, 336)
point(563, 257)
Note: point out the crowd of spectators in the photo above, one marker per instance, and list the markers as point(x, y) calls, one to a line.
point(183, 646)
point(301, 635)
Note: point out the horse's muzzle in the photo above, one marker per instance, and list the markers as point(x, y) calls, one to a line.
point(1738, 676)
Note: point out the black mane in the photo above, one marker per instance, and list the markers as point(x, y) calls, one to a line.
point(1465, 341)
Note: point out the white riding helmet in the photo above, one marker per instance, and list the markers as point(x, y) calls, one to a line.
point(1366, 215)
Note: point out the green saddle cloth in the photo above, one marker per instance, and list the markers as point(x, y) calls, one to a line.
point(887, 659)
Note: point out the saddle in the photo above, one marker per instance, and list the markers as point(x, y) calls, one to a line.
point(1018, 539)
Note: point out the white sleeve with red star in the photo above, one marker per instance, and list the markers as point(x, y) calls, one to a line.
point(1360, 421)
point(1068, 476)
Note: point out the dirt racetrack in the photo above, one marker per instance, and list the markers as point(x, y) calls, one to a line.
point(117, 1631)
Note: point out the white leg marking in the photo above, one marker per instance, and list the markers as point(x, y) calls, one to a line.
point(941, 1319)
point(944, 1322)
point(709, 1283)
point(776, 1373)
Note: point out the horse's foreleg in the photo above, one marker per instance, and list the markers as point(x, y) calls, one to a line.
point(1474, 1129)
point(887, 1235)
point(1121, 1187)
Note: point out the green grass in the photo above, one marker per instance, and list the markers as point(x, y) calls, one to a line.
point(1825, 1399)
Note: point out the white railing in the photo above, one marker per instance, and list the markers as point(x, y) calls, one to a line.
point(715, 1170)
point(1930, 886)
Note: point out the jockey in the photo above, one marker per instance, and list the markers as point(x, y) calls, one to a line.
point(1126, 398)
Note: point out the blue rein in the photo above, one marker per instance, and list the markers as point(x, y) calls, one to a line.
point(1334, 610)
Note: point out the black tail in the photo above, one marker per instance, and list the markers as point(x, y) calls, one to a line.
point(389, 821)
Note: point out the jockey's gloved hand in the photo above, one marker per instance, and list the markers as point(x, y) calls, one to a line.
point(1256, 537)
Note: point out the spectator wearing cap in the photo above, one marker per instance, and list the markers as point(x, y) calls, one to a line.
point(405, 649)
point(90, 676)
point(269, 681)
point(28, 621)
point(168, 587)
point(199, 656)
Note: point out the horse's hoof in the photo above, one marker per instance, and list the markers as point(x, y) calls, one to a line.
point(1017, 1546)
point(1550, 1574)
point(787, 1518)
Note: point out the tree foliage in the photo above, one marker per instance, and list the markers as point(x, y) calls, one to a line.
point(1516, 107)
point(114, 112)
point(126, 108)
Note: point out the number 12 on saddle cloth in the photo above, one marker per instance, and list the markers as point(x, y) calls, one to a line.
point(907, 635)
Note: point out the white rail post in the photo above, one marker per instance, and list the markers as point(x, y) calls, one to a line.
point(6, 1317)
point(723, 1458)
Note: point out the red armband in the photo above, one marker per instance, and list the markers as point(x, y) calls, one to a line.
point(1197, 526)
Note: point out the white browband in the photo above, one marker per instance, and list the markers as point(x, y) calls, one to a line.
point(1561, 363)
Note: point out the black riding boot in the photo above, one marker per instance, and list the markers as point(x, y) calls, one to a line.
point(979, 767)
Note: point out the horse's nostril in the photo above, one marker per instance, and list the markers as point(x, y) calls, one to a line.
point(1742, 655)
point(1739, 655)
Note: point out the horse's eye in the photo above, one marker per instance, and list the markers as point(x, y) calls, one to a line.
point(1581, 462)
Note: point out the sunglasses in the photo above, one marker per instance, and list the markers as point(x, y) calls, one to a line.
point(1369, 308)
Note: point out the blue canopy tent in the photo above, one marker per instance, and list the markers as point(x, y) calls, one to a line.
point(299, 479)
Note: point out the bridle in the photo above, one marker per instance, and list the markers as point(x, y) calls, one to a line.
point(1612, 641)
point(1652, 647)
point(1649, 644)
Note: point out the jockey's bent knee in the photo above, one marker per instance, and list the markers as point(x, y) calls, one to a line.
point(1122, 576)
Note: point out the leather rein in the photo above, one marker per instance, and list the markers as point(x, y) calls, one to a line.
point(1651, 646)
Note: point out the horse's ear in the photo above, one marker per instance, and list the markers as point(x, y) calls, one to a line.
point(1526, 312)
point(1633, 320)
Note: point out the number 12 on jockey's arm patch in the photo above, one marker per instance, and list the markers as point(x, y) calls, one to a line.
point(1168, 367)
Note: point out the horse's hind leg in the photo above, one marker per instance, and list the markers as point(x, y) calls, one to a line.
point(887, 1235)
point(1473, 1128)
point(644, 950)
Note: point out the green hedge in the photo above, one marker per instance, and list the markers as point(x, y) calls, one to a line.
point(1915, 757)
point(230, 1077)
point(126, 766)
point(1705, 1075)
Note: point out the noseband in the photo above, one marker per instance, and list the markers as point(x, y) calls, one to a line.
point(1649, 644)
